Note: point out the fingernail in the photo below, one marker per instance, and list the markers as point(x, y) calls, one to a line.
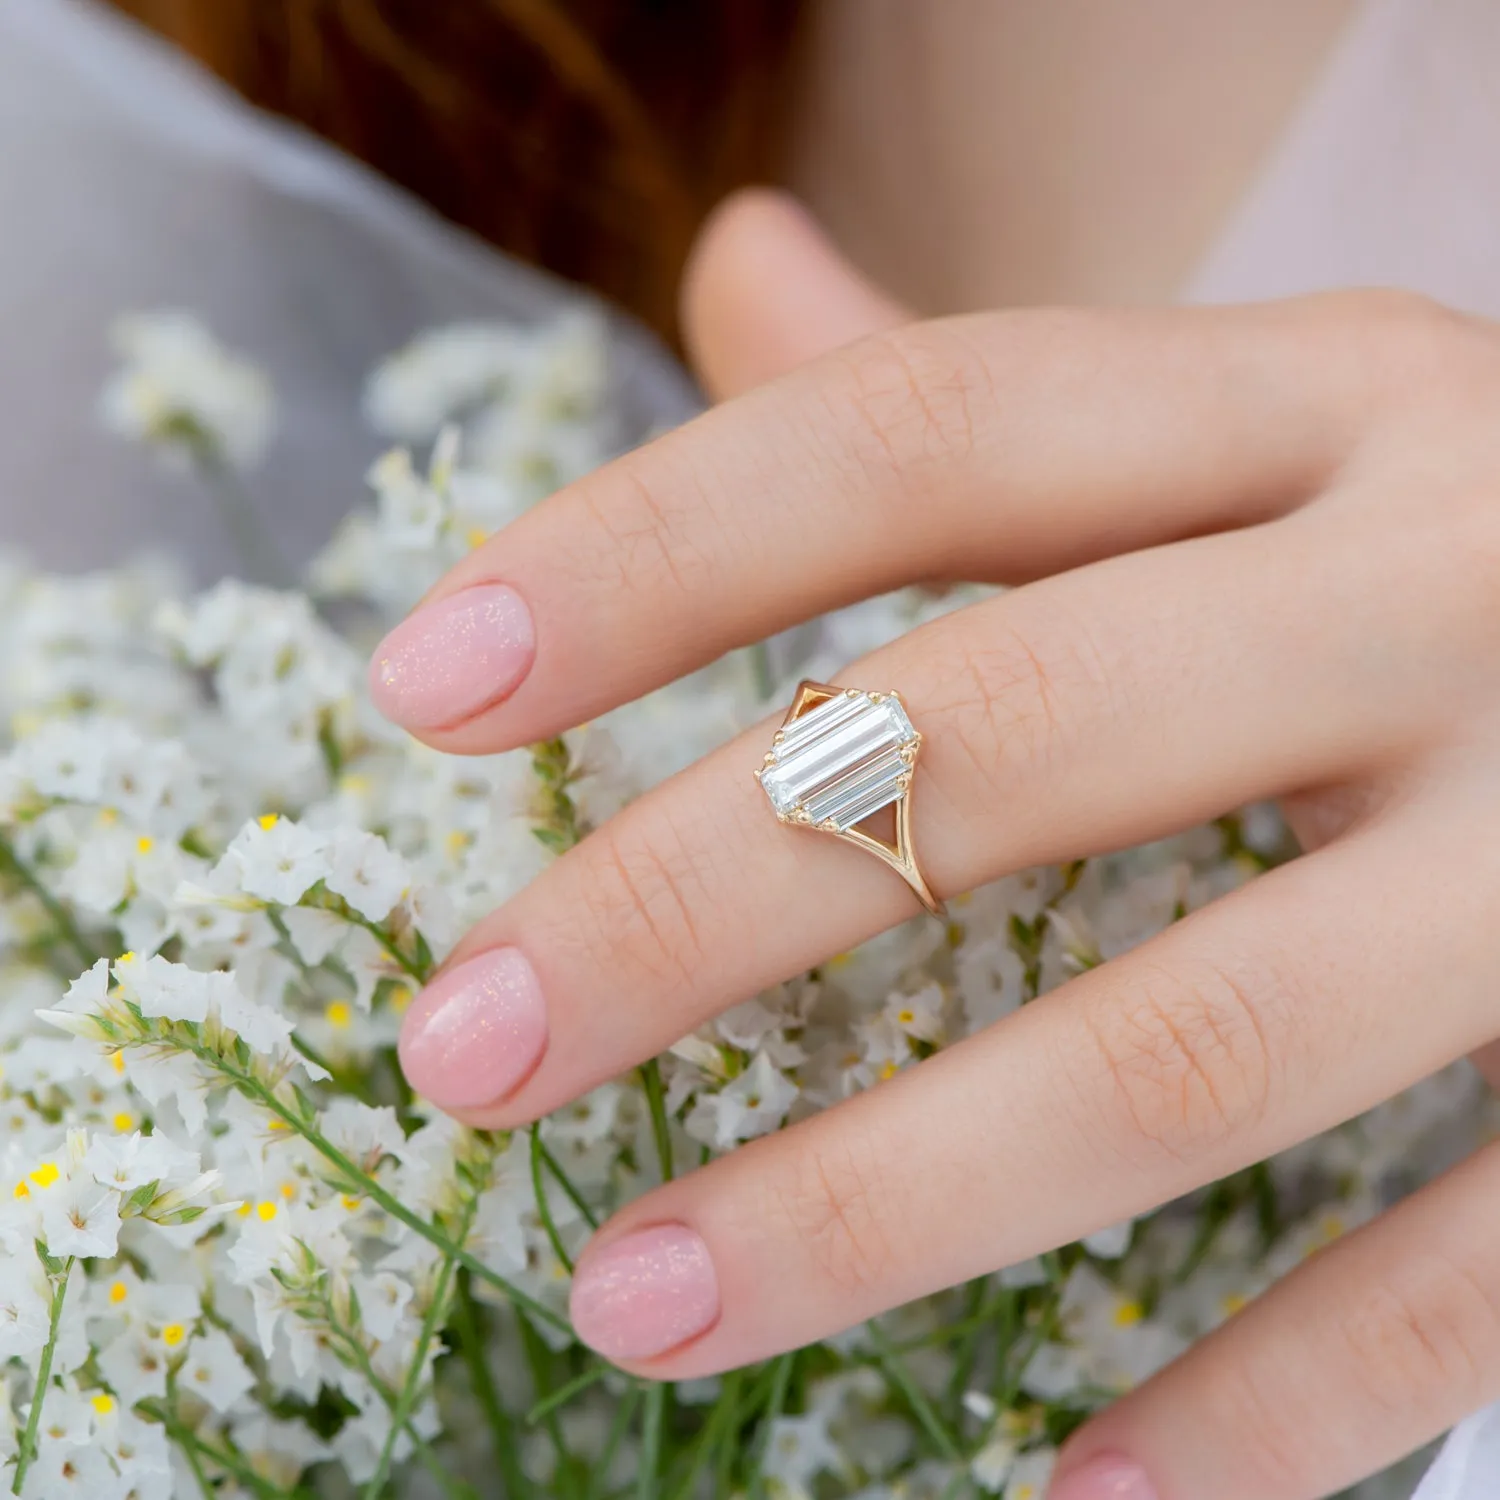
point(646, 1293)
point(1104, 1479)
point(475, 1032)
point(453, 657)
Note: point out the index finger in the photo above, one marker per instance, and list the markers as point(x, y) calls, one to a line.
point(1000, 446)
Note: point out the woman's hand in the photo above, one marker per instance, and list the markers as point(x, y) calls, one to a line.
point(1261, 549)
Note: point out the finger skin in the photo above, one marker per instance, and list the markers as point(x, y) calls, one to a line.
point(1004, 446)
point(1084, 713)
point(765, 290)
point(1362, 1354)
point(1213, 1045)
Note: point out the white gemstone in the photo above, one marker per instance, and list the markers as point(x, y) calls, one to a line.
point(840, 762)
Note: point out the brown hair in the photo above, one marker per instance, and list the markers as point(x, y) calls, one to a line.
point(587, 136)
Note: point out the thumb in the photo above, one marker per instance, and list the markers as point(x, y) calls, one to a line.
point(765, 290)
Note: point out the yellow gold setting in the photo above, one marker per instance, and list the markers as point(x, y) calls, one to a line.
point(840, 756)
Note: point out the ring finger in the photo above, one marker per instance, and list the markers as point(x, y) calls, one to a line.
point(1086, 712)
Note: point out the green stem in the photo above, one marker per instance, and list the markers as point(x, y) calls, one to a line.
point(781, 1380)
point(455, 1489)
point(471, 1347)
point(660, 1126)
point(565, 1393)
point(896, 1371)
point(539, 1362)
point(617, 1430)
point(720, 1419)
point(650, 1459)
point(437, 1310)
point(760, 669)
point(223, 1458)
point(62, 918)
point(410, 969)
point(252, 539)
point(728, 1445)
point(26, 1453)
point(543, 1208)
point(253, 1088)
point(567, 1185)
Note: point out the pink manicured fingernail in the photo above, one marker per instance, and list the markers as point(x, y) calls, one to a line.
point(453, 657)
point(475, 1032)
point(1104, 1479)
point(646, 1293)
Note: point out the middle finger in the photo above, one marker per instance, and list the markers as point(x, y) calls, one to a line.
point(1087, 712)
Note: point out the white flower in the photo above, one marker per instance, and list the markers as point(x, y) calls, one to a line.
point(364, 870)
point(214, 1371)
point(79, 1217)
point(72, 1471)
point(383, 1298)
point(125, 1163)
point(445, 373)
point(797, 1450)
point(25, 1306)
point(182, 391)
point(1031, 1475)
point(278, 859)
point(753, 1104)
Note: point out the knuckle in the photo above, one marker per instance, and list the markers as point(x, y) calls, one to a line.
point(1412, 348)
point(1186, 1058)
point(838, 1208)
point(912, 391)
point(1003, 698)
point(645, 518)
point(642, 903)
point(1247, 1401)
point(1422, 1335)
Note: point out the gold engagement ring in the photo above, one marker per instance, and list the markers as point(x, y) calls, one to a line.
point(840, 756)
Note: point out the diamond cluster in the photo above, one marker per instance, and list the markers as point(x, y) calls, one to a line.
point(841, 761)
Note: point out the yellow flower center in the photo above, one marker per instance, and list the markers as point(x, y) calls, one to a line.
point(45, 1175)
point(104, 1404)
point(266, 1212)
point(340, 1014)
point(123, 1121)
point(268, 820)
point(118, 1293)
point(1128, 1314)
point(145, 844)
point(173, 1334)
point(117, 1061)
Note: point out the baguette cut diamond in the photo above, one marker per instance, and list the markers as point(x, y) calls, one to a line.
point(841, 761)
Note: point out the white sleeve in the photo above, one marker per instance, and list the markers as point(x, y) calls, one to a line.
point(1468, 1468)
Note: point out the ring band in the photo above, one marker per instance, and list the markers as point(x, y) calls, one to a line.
point(841, 755)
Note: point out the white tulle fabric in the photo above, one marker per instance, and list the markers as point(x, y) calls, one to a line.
point(129, 180)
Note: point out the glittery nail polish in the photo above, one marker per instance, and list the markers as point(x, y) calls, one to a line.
point(1106, 1478)
point(645, 1293)
point(453, 657)
point(476, 1031)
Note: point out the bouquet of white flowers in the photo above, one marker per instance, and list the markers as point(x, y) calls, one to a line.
point(244, 1261)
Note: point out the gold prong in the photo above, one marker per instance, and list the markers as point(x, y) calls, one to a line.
point(778, 737)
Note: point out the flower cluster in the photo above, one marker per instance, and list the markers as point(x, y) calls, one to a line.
point(242, 1260)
